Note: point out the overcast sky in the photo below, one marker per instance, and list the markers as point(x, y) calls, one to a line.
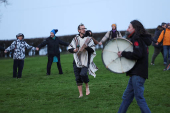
point(36, 18)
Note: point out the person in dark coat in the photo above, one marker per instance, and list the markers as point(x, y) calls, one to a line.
point(157, 48)
point(139, 73)
point(2, 49)
point(52, 43)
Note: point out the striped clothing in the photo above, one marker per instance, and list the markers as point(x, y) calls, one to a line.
point(82, 59)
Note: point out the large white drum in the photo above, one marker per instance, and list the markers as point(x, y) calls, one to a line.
point(110, 58)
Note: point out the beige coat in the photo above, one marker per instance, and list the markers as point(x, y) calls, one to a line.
point(108, 34)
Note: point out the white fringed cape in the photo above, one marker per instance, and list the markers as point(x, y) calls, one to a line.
point(82, 60)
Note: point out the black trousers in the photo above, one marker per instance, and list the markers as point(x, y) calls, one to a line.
point(80, 74)
point(49, 63)
point(18, 64)
point(156, 53)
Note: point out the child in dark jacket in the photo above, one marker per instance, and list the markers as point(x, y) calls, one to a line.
point(19, 46)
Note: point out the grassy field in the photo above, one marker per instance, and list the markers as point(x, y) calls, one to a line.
point(36, 92)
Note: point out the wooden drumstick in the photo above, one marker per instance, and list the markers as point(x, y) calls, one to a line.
point(111, 62)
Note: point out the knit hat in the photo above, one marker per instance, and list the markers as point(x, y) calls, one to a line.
point(113, 25)
point(54, 31)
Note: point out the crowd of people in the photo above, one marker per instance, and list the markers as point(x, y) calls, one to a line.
point(83, 60)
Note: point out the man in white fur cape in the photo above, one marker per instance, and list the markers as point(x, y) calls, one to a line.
point(83, 61)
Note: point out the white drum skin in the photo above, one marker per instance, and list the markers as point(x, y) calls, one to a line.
point(110, 58)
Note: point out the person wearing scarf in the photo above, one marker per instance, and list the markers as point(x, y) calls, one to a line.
point(111, 34)
point(139, 73)
point(53, 43)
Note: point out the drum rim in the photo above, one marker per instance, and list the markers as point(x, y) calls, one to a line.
point(104, 48)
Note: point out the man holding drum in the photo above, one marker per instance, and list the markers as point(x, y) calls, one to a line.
point(83, 58)
point(139, 73)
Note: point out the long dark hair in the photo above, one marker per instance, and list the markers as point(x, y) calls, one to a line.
point(88, 33)
point(139, 28)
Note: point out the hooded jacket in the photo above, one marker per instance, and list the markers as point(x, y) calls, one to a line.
point(19, 49)
point(140, 54)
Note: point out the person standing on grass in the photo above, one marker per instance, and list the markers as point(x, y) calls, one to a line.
point(19, 54)
point(52, 43)
point(157, 48)
point(139, 73)
point(165, 36)
point(111, 34)
point(83, 62)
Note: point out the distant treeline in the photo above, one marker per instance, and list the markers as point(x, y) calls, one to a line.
point(68, 38)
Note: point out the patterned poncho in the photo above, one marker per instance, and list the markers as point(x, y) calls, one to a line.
point(82, 59)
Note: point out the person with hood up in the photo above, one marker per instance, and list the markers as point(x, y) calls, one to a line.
point(139, 73)
point(18, 46)
point(52, 43)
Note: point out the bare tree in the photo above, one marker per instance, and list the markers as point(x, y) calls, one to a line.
point(4, 1)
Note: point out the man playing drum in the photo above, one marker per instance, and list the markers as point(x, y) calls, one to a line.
point(83, 58)
point(139, 73)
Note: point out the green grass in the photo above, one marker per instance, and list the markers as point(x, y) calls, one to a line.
point(36, 92)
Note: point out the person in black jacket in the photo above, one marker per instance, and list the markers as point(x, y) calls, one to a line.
point(139, 73)
point(52, 43)
point(2, 49)
point(157, 48)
